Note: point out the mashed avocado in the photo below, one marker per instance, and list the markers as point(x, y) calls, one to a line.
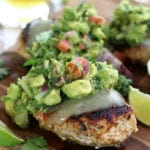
point(71, 35)
point(129, 26)
point(51, 82)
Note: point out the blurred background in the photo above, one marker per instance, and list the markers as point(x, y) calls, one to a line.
point(15, 14)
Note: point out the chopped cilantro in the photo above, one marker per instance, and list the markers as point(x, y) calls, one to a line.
point(123, 85)
point(3, 71)
point(36, 143)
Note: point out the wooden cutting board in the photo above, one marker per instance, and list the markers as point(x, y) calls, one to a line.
point(138, 141)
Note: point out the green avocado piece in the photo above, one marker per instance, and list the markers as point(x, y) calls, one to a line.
point(69, 13)
point(82, 27)
point(74, 37)
point(9, 108)
point(97, 31)
point(51, 98)
point(77, 89)
point(93, 70)
point(22, 119)
point(13, 92)
point(37, 81)
point(91, 12)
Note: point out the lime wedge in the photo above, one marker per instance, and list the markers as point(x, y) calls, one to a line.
point(148, 66)
point(7, 137)
point(140, 103)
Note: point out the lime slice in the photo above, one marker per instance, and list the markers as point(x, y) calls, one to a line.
point(148, 66)
point(140, 103)
point(7, 137)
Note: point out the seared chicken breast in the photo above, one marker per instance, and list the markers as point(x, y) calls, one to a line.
point(137, 54)
point(86, 111)
point(98, 128)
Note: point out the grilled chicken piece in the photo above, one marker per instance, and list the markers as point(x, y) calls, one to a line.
point(99, 128)
point(137, 54)
point(28, 35)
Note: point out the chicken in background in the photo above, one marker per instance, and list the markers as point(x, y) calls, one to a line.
point(129, 35)
point(128, 39)
point(28, 35)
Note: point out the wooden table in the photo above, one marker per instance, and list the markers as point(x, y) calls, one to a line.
point(8, 36)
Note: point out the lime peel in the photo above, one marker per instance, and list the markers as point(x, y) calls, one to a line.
point(7, 137)
point(140, 103)
point(148, 67)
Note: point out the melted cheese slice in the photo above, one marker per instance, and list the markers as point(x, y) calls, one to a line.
point(100, 101)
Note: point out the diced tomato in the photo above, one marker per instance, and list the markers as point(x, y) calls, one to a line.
point(77, 68)
point(73, 71)
point(96, 20)
point(41, 116)
point(64, 45)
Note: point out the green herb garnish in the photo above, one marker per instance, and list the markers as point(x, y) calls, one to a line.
point(36, 143)
point(3, 71)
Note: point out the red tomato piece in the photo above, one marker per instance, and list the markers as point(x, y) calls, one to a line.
point(64, 45)
point(77, 68)
point(96, 20)
point(74, 72)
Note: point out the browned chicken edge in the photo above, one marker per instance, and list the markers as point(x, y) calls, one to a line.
point(99, 128)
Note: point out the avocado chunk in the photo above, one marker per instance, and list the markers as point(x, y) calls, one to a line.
point(97, 32)
point(9, 108)
point(69, 13)
point(37, 81)
point(22, 119)
point(51, 98)
point(82, 27)
point(13, 92)
point(73, 37)
point(93, 70)
point(77, 89)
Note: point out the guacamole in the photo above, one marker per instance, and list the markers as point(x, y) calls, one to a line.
point(63, 66)
point(129, 26)
point(77, 33)
point(50, 82)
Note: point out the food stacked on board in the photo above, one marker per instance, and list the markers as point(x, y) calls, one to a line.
point(75, 88)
